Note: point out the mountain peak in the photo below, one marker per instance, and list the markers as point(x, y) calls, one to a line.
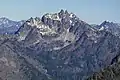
point(4, 19)
point(61, 11)
point(106, 23)
point(33, 21)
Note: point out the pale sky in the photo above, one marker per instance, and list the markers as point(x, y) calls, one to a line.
point(91, 11)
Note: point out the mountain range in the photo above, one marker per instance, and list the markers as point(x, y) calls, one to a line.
point(58, 46)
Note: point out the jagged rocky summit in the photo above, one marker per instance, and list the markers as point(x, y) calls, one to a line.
point(58, 46)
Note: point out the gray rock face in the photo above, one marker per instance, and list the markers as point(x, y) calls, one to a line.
point(60, 47)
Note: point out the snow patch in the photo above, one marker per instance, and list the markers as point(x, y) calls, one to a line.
point(70, 21)
point(57, 48)
point(71, 15)
point(102, 28)
point(46, 30)
point(36, 42)
point(53, 16)
point(95, 41)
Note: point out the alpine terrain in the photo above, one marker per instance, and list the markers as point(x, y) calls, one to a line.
point(57, 46)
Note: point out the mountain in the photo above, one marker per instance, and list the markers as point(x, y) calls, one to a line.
point(58, 46)
point(111, 27)
point(72, 46)
point(9, 26)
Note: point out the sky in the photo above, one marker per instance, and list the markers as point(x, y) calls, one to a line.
point(90, 11)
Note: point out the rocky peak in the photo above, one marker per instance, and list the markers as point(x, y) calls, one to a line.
point(8, 26)
point(66, 12)
point(33, 21)
point(61, 24)
point(4, 20)
point(62, 19)
point(62, 15)
point(106, 23)
point(61, 11)
point(109, 24)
